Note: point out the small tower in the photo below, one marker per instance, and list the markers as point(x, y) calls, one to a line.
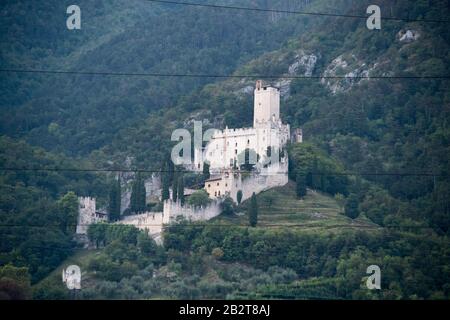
point(266, 104)
point(87, 214)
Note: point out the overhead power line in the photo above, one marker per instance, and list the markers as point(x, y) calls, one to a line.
point(221, 76)
point(306, 13)
point(404, 174)
point(262, 225)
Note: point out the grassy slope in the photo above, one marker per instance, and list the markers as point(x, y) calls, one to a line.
point(81, 258)
point(279, 208)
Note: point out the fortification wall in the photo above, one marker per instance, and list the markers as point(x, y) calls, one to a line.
point(260, 183)
point(150, 221)
point(174, 210)
point(153, 222)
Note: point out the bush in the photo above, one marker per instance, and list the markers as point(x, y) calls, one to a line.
point(217, 253)
point(199, 198)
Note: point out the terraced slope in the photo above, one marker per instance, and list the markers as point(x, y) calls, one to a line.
point(279, 207)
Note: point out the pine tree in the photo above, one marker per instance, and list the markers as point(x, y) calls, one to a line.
point(253, 212)
point(114, 201)
point(165, 193)
point(166, 178)
point(351, 206)
point(239, 196)
point(142, 196)
point(138, 195)
point(315, 176)
point(181, 189)
point(175, 187)
point(134, 196)
point(206, 173)
point(301, 185)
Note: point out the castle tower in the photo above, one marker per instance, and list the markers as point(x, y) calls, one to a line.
point(87, 214)
point(266, 104)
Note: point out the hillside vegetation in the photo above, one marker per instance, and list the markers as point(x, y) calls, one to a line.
point(375, 160)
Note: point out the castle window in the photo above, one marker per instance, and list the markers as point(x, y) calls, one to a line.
point(248, 141)
point(209, 185)
point(226, 184)
point(219, 192)
point(218, 184)
point(236, 144)
point(215, 194)
point(235, 151)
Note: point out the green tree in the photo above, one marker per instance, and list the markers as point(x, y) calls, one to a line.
point(15, 283)
point(97, 234)
point(217, 253)
point(142, 196)
point(316, 176)
point(68, 208)
point(181, 189)
point(175, 187)
point(239, 196)
point(253, 211)
point(114, 200)
point(199, 198)
point(138, 195)
point(206, 173)
point(165, 193)
point(227, 206)
point(300, 185)
point(351, 206)
point(146, 244)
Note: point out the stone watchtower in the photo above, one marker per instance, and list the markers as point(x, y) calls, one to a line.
point(87, 214)
point(266, 104)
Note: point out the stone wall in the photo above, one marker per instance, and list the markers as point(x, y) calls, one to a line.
point(266, 180)
point(151, 222)
point(175, 210)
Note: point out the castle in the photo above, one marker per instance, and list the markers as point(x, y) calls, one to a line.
point(261, 147)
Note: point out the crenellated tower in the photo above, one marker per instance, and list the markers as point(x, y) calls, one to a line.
point(266, 104)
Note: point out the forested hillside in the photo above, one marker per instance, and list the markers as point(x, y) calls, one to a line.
point(79, 114)
point(380, 143)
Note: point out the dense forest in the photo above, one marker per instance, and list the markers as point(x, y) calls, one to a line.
point(380, 146)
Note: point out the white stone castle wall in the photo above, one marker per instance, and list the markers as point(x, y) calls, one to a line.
point(175, 210)
point(151, 222)
point(260, 183)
